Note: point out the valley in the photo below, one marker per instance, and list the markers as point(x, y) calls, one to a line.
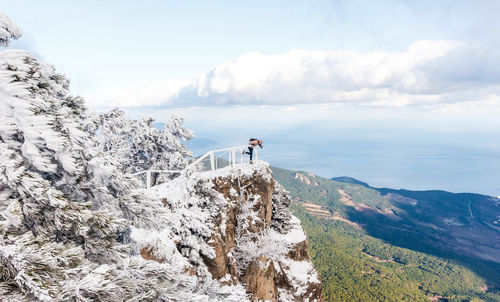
point(367, 242)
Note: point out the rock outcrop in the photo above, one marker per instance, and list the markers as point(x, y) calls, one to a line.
point(252, 241)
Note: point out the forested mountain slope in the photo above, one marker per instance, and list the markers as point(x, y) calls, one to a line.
point(383, 244)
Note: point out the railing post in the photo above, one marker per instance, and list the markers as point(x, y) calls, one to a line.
point(148, 179)
point(256, 154)
point(212, 161)
point(233, 153)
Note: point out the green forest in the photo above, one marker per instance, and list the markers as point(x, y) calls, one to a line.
point(358, 267)
point(382, 260)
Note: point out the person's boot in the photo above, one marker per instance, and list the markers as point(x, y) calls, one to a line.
point(251, 162)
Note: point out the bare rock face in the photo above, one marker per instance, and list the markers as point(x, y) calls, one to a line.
point(259, 279)
point(148, 254)
point(270, 259)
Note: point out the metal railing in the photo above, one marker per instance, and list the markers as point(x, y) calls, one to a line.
point(213, 156)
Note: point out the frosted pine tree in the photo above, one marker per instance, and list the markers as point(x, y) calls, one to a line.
point(65, 207)
point(44, 168)
point(8, 30)
point(140, 146)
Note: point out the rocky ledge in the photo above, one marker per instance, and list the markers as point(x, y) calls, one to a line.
point(233, 226)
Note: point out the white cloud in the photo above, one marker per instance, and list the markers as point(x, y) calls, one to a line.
point(426, 73)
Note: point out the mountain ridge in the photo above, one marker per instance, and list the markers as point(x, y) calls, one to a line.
point(352, 180)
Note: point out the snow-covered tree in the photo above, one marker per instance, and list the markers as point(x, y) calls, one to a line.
point(65, 207)
point(139, 145)
point(48, 179)
point(8, 30)
point(47, 162)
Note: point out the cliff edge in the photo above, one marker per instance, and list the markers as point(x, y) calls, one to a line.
point(233, 227)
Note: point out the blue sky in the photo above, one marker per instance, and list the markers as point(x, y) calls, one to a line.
point(309, 76)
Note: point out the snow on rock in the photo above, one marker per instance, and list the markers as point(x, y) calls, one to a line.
point(301, 275)
point(234, 227)
point(294, 235)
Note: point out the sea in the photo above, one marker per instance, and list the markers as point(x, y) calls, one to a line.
point(457, 152)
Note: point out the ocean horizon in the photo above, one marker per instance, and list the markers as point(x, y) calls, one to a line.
point(431, 152)
point(389, 166)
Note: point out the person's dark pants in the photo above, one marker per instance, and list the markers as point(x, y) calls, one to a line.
point(250, 149)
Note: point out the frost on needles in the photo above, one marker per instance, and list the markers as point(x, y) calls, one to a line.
point(139, 145)
point(8, 30)
point(66, 206)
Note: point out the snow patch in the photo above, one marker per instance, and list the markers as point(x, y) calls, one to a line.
point(301, 274)
point(293, 236)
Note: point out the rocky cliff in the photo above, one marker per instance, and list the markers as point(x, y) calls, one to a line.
point(233, 227)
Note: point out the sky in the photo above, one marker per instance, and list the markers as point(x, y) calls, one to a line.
point(421, 73)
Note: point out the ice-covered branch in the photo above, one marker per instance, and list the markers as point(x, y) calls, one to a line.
point(8, 30)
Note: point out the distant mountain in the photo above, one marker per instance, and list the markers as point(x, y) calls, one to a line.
point(350, 180)
point(467, 223)
point(367, 242)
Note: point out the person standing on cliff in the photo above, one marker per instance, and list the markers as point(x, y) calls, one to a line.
point(253, 142)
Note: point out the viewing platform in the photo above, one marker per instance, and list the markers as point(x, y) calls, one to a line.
point(210, 161)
